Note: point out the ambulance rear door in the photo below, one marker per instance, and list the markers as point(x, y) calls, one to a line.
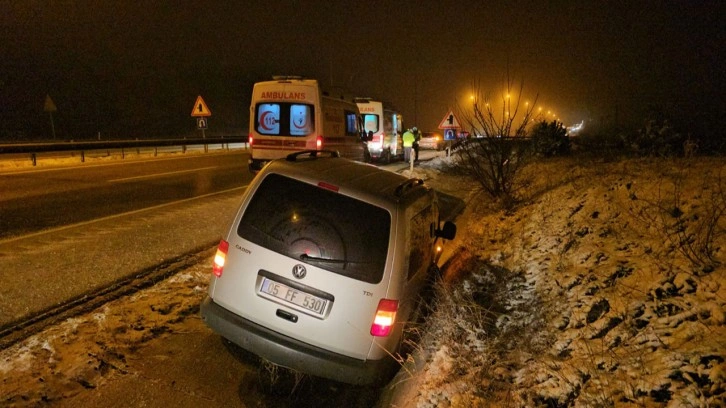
point(284, 118)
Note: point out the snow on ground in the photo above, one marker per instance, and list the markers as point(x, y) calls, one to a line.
point(85, 352)
point(604, 287)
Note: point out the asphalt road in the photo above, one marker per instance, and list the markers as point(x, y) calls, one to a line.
point(69, 231)
point(41, 199)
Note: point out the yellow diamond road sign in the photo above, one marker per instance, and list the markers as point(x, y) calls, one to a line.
point(200, 108)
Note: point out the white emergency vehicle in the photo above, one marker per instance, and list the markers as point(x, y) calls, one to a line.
point(291, 114)
point(386, 127)
point(328, 268)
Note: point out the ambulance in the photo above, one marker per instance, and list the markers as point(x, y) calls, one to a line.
point(386, 127)
point(291, 114)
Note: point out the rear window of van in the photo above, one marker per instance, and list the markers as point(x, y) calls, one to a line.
point(284, 119)
point(370, 123)
point(317, 226)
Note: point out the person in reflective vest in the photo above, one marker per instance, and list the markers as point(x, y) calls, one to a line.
point(408, 139)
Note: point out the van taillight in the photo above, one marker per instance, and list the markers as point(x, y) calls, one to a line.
point(219, 258)
point(249, 140)
point(385, 317)
point(319, 143)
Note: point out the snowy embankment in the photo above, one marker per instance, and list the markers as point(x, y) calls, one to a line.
point(604, 287)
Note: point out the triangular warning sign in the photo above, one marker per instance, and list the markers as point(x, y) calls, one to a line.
point(49, 106)
point(200, 108)
point(450, 122)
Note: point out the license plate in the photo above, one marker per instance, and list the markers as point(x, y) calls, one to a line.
point(294, 296)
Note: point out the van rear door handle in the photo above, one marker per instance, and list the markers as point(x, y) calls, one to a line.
point(286, 315)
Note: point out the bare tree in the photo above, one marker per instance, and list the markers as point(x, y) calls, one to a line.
point(498, 147)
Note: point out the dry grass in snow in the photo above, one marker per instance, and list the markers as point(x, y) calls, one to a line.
point(605, 287)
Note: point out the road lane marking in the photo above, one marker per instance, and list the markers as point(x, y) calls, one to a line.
point(110, 217)
point(120, 180)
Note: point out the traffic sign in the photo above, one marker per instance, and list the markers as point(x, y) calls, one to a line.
point(201, 123)
point(49, 106)
point(200, 108)
point(450, 121)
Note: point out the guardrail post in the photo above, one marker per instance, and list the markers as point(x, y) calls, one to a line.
point(206, 148)
point(155, 149)
point(123, 155)
point(184, 148)
point(33, 159)
point(83, 156)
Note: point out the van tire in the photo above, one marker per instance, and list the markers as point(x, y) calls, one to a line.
point(387, 155)
point(413, 329)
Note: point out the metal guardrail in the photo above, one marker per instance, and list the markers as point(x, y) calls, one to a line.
point(82, 147)
point(119, 144)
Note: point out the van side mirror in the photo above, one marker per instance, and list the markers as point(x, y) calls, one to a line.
point(448, 232)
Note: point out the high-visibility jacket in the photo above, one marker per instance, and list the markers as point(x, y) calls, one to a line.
point(408, 139)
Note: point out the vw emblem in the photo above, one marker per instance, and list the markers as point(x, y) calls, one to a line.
point(299, 271)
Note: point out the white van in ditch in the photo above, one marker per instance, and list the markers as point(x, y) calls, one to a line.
point(325, 264)
point(290, 114)
point(385, 125)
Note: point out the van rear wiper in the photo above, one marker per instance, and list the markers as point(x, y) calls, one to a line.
point(306, 257)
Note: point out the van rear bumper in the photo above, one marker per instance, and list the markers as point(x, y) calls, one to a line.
point(294, 354)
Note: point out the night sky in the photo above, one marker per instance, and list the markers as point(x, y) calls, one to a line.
point(135, 68)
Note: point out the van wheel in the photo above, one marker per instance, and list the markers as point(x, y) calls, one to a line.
point(366, 156)
point(421, 311)
point(414, 328)
point(387, 156)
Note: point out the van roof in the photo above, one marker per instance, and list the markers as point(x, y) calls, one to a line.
point(351, 176)
point(387, 106)
point(286, 77)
